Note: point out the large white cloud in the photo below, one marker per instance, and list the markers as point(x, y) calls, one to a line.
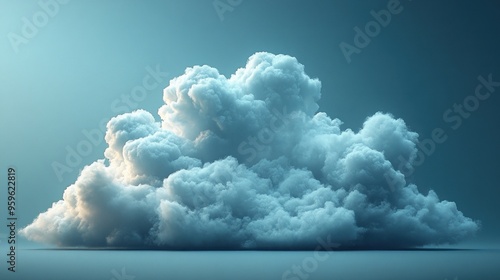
point(248, 162)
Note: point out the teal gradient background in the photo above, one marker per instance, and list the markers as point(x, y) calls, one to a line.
point(71, 74)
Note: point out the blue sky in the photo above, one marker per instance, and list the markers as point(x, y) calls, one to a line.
point(90, 54)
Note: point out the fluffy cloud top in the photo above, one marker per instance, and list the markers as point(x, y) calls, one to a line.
point(248, 162)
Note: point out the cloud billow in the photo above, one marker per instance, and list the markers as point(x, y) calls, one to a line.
point(247, 162)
